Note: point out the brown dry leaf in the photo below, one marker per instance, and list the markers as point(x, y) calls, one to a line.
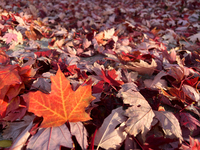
point(57, 137)
point(22, 138)
point(33, 33)
point(33, 10)
point(176, 71)
point(42, 84)
point(59, 43)
point(86, 43)
point(109, 33)
point(191, 92)
point(99, 37)
point(79, 131)
point(105, 35)
point(141, 67)
point(158, 77)
point(194, 37)
point(13, 129)
point(108, 136)
point(160, 84)
point(169, 123)
point(140, 113)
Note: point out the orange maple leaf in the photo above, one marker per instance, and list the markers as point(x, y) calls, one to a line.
point(3, 106)
point(33, 33)
point(62, 104)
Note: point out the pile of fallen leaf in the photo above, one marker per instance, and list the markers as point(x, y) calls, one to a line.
point(97, 74)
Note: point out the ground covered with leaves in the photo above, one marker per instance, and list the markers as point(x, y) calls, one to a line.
point(89, 74)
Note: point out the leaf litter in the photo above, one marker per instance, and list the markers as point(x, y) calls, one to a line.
point(99, 74)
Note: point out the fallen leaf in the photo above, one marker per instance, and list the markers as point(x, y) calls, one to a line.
point(16, 114)
point(140, 114)
point(125, 42)
point(141, 67)
point(14, 90)
point(99, 38)
point(109, 136)
point(13, 129)
point(59, 43)
point(160, 141)
point(176, 72)
point(188, 121)
point(105, 35)
point(194, 144)
point(191, 92)
point(33, 10)
point(4, 58)
point(33, 34)
point(194, 37)
point(127, 87)
point(3, 106)
point(78, 130)
point(179, 94)
point(193, 109)
point(86, 43)
point(170, 57)
point(62, 104)
point(13, 38)
point(20, 20)
point(169, 123)
point(158, 77)
point(109, 33)
point(9, 75)
point(170, 36)
point(160, 84)
point(13, 104)
point(10, 37)
point(57, 136)
point(22, 138)
point(110, 76)
point(41, 84)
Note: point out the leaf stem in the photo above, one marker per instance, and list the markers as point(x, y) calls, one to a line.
point(186, 107)
point(92, 141)
point(138, 142)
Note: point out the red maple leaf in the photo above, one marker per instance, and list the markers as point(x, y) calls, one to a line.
point(9, 75)
point(3, 106)
point(62, 104)
point(4, 59)
point(188, 121)
point(10, 86)
point(194, 145)
point(109, 76)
